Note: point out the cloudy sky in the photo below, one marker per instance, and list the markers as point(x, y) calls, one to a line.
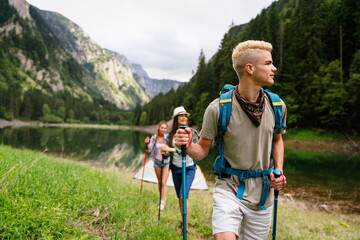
point(164, 36)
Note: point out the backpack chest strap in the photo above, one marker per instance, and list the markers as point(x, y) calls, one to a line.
point(250, 174)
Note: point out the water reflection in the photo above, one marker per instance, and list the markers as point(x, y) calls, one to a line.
point(316, 178)
point(110, 148)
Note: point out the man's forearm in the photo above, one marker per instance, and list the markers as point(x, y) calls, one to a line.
point(278, 152)
point(200, 149)
point(196, 152)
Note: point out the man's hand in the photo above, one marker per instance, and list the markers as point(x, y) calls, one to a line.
point(182, 137)
point(277, 183)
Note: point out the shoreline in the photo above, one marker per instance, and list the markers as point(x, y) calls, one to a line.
point(18, 124)
point(325, 146)
point(298, 193)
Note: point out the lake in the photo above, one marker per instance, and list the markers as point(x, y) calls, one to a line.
point(315, 179)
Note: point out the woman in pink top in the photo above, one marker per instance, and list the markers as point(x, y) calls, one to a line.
point(154, 145)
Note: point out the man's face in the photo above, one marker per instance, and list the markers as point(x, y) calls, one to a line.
point(264, 69)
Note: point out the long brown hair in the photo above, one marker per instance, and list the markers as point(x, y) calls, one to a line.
point(158, 129)
point(174, 128)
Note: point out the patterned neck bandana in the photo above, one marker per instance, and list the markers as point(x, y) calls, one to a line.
point(253, 110)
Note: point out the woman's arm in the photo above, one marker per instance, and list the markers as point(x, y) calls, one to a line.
point(151, 143)
point(166, 148)
point(147, 141)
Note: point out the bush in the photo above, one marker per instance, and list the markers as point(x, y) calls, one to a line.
point(50, 118)
point(9, 115)
point(71, 120)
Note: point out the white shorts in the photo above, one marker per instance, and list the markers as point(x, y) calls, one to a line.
point(229, 214)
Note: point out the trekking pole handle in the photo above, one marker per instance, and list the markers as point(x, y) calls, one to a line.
point(183, 147)
point(277, 173)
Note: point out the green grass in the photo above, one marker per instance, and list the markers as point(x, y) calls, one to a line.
point(294, 223)
point(43, 197)
point(314, 134)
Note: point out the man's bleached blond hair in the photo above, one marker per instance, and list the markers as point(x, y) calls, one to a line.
point(247, 52)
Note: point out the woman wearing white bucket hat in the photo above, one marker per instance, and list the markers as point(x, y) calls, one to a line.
point(180, 118)
point(180, 111)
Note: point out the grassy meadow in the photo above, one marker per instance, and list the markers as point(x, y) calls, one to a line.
point(43, 197)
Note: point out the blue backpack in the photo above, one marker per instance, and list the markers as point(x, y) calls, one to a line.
point(221, 167)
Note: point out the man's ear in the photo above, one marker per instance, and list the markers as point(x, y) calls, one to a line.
point(249, 68)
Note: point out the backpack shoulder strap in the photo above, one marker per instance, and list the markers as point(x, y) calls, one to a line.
point(277, 107)
point(195, 135)
point(225, 104)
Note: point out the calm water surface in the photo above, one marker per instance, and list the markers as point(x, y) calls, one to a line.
point(315, 178)
point(109, 148)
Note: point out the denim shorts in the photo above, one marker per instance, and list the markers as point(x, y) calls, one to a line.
point(177, 178)
point(157, 163)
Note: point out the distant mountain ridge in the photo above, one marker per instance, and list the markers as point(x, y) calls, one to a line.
point(118, 69)
point(153, 86)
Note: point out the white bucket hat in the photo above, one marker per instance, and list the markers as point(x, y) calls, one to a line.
point(179, 110)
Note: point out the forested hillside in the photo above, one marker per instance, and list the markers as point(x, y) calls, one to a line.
point(38, 79)
point(316, 48)
point(52, 71)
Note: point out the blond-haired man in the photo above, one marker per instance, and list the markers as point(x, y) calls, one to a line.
point(249, 143)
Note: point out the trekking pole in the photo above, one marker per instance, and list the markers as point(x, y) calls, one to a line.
point(162, 167)
point(277, 173)
point(142, 178)
point(183, 154)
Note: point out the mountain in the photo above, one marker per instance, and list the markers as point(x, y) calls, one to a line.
point(107, 64)
point(153, 86)
point(109, 73)
point(52, 71)
point(41, 80)
point(34, 67)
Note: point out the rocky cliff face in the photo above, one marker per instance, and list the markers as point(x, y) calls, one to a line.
point(22, 7)
point(110, 73)
point(39, 75)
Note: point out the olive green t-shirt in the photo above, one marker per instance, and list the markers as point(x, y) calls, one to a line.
point(246, 147)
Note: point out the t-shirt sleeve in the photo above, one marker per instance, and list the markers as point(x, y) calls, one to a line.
point(284, 113)
point(151, 144)
point(209, 126)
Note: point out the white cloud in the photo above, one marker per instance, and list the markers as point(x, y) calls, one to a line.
point(164, 36)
